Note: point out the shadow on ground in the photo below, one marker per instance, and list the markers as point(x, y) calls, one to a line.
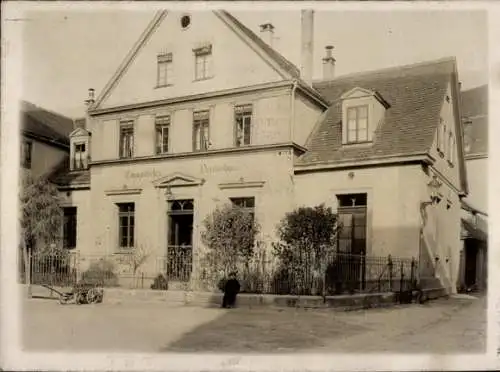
point(257, 330)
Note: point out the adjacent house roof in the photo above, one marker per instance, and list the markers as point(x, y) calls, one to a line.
point(475, 116)
point(415, 94)
point(44, 125)
point(63, 177)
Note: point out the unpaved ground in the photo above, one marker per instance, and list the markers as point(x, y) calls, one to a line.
point(456, 325)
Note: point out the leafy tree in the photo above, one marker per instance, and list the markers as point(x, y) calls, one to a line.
point(40, 219)
point(229, 236)
point(307, 237)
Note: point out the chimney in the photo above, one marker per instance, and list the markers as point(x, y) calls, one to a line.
point(267, 33)
point(307, 45)
point(90, 101)
point(328, 64)
point(80, 123)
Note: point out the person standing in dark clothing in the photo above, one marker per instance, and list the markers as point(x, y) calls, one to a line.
point(231, 290)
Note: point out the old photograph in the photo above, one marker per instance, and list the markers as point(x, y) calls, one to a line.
point(249, 181)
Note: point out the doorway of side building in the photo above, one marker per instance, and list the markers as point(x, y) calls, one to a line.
point(351, 245)
point(180, 240)
point(471, 255)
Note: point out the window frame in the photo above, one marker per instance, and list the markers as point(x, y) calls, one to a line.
point(243, 112)
point(126, 210)
point(81, 160)
point(127, 127)
point(198, 125)
point(164, 60)
point(235, 201)
point(206, 56)
point(356, 109)
point(162, 126)
point(26, 153)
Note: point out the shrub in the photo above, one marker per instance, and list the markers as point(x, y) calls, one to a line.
point(160, 283)
point(307, 239)
point(229, 236)
point(101, 273)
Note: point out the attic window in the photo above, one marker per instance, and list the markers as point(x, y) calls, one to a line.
point(357, 124)
point(185, 21)
point(203, 62)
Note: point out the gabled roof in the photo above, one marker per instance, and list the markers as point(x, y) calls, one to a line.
point(415, 94)
point(45, 125)
point(475, 116)
point(288, 69)
point(272, 53)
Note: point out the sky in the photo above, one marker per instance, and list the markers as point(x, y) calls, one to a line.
point(67, 52)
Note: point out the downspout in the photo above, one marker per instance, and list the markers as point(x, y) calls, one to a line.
point(292, 110)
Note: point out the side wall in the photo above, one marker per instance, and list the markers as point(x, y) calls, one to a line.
point(393, 222)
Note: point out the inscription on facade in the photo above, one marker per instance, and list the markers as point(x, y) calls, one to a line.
point(144, 174)
point(203, 170)
point(207, 169)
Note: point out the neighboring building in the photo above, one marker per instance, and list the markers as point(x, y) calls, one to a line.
point(473, 271)
point(44, 139)
point(184, 126)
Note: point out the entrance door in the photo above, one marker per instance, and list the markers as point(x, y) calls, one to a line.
point(352, 212)
point(470, 263)
point(180, 239)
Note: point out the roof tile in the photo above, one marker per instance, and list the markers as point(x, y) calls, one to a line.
point(415, 94)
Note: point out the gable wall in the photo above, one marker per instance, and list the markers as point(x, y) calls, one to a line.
point(235, 64)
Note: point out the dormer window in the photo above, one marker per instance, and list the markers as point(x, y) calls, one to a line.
point(362, 111)
point(357, 124)
point(80, 148)
point(80, 155)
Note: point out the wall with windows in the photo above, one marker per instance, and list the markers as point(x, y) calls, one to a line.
point(43, 158)
point(393, 219)
point(269, 123)
point(208, 181)
point(204, 56)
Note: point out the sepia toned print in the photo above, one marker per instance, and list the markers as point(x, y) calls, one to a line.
point(237, 187)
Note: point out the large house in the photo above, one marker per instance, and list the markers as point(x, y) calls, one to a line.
point(475, 206)
point(184, 126)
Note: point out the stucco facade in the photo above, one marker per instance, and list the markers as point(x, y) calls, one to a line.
point(287, 119)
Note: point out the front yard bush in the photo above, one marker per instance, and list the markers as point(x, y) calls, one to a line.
point(101, 273)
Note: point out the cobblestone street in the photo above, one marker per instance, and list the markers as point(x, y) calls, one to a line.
point(444, 326)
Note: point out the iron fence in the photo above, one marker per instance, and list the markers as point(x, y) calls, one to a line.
point(340, 274)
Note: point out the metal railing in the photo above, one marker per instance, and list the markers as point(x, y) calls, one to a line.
point(340, 274)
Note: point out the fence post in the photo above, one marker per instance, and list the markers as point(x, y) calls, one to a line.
point(389, 263)
point(412, 278)
point(401, 279)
